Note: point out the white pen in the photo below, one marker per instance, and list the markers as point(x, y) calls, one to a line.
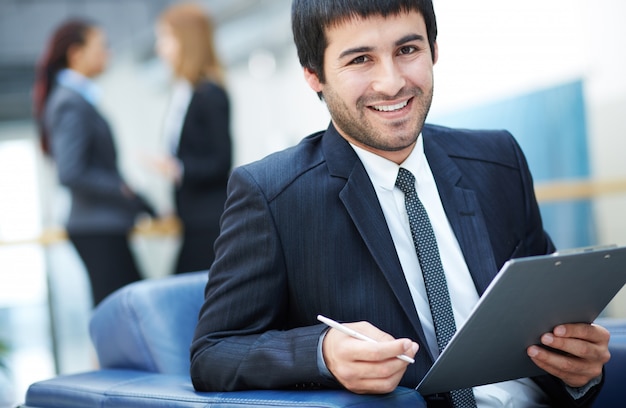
point(356, 334)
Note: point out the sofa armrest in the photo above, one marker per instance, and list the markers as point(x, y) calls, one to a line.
point(137, 389)
point(153, 321)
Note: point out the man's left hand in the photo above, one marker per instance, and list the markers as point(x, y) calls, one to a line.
point(581, 352)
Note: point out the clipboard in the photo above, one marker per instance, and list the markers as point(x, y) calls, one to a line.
point(528, 297)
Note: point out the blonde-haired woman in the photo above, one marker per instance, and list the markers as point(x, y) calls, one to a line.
point(196, 130)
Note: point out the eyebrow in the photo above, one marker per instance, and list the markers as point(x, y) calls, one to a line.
point(358, 50)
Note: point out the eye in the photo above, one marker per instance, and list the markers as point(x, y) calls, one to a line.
point(359, 60)
point(407, 49)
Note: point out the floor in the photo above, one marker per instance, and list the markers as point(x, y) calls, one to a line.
point(45, 300)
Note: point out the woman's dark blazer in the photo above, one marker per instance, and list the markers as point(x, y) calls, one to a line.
point(86, 160)
point(204, 150)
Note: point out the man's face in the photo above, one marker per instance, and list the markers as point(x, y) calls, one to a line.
point(379, 81)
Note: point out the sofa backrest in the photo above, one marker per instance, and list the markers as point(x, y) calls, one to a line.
point(148, 325)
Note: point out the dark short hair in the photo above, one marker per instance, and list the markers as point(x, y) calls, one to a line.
point(310, 19)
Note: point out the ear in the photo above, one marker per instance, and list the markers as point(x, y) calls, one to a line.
point(313, 80)
point(436, 51)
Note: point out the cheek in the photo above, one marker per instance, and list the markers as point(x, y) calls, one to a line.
point(421, 75)
point(98, 59)
point(351, 87)
point(168, 50)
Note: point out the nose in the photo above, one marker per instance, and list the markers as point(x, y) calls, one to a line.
point(389, 78)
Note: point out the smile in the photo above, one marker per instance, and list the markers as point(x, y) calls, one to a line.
point(390, 108)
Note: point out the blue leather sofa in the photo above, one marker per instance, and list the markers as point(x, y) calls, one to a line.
point(142, 334)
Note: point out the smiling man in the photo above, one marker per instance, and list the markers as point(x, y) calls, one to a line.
point(384, 223)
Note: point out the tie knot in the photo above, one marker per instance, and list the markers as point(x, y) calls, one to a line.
point(405, 181)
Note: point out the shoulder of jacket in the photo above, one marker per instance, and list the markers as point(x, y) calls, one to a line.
point(62, 94)
point(206, 88)
point(63, 99)
point(208, 95)
point(490, 145)
point(277, 171)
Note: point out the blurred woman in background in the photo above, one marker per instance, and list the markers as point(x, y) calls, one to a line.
point(196, 130)
point(78, 139)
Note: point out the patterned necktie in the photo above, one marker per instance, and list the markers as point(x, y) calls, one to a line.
point(434, 277)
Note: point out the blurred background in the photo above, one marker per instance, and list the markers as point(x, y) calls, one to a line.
point(550, 72)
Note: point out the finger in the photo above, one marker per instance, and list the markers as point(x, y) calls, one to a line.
point(368, 370)
point(390, 347)
point(567, 369)
point(589, 332)
point(369, 376)
point(583, 349)
point(574, 371)
point(347, 348)
point(586, 341)
point(370, 331)
point(375, 385)
point(388, 350)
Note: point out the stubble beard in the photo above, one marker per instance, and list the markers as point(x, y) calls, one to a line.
point(357, 128)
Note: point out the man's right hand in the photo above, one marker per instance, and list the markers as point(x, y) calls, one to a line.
point(364, 367)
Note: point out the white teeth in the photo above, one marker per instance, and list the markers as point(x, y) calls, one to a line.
point(391, 108)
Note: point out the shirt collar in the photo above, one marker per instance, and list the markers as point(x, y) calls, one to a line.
point(79, 83)
point(383, 172)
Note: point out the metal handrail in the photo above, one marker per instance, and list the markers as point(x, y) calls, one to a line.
point(546, 192)
point(568, 190)
point(148, 227)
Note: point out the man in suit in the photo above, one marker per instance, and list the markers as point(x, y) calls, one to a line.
point(322, 228)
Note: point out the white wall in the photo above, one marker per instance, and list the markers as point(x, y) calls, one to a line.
point(491, 49)
point(488, 49)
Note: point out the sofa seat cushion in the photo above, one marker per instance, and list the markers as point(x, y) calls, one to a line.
point(130, 389)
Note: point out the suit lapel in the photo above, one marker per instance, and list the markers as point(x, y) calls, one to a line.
point(463, 211)
point(361, 203)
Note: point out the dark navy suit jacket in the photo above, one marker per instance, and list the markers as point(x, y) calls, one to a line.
point(303, 234)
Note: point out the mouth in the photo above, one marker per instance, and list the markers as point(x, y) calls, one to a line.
point(391, 108)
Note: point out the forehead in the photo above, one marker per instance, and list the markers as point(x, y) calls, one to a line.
point(374, 29)
point(95, 35)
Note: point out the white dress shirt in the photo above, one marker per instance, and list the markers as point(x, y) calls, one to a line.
point(77, 82)
point(175, 116)
point(463, 295)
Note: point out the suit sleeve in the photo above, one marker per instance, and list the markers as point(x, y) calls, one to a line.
point(238, 337)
